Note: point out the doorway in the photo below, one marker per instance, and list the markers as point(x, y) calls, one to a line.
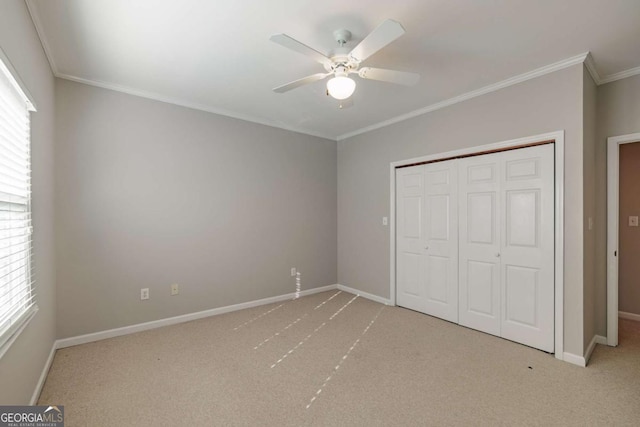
point(614, 225)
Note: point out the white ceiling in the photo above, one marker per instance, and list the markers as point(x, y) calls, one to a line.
point(216, 55)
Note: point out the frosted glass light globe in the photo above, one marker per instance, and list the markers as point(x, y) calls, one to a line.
point(341, 87)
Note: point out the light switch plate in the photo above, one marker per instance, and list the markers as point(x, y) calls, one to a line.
point(590, 223)
point(633, 221)
point(385, 220)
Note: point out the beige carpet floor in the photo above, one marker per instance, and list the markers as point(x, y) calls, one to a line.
point(339, 360)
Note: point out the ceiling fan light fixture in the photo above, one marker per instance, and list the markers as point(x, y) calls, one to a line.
point(342, 63)
point(341, 87)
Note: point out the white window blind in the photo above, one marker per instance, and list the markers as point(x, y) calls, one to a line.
point(17, 296)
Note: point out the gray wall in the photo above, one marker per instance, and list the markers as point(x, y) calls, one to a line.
point(21, 366)
point(589, 163)
point(149, 194)
point(629, 242)
point(618, 114)
point(549, 103)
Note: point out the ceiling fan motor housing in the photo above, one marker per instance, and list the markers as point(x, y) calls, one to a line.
point(340, 65)
point(342, 36)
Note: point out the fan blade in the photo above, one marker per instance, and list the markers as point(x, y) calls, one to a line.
point(386, 32)
point(391, 76)
point(300, 82)
point(293, 44)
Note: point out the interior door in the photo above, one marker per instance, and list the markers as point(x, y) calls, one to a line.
point(440, 268)
point(527, 270)
point(479, 243)
point(410, 291)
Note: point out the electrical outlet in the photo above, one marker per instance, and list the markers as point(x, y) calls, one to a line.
point(175, 289)
point(293, 271)
point(144, 293)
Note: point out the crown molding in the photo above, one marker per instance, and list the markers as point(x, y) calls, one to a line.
point(585, 58)
point(591, 67)
point(621, 75)
point(35, 18)
point(556, 66)
point(32, 8)
point(188, 104)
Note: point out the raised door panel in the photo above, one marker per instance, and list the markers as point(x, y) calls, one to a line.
point(479, 243)
point(527, 269)
point(441, 240)
point(410, 289)
point(480, 290)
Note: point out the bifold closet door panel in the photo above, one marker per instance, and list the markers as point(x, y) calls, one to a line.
point(475, 241)
point(479, 242)
point(411, 292)
point(527, 270)
point(427, 239)
point(441, 240)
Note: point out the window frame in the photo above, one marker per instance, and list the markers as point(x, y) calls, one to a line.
point(9, 336)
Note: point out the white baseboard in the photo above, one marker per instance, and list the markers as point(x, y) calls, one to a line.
point(597, 339)
point(580, 360)
point(625, 315)
point(366, 295)
point(574, 359)
point(590, 348)
point(126, 330)
point(43, 375)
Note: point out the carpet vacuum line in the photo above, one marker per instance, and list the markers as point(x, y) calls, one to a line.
point(314, 331)
point(344, 358)
point(257, 317)
point(295, 321)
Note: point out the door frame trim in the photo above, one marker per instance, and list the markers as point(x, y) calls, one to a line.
point(613, 211)
point(558, 139)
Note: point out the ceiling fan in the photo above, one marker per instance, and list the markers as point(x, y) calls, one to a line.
point(344, 63)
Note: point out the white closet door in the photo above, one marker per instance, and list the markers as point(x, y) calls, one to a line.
point(441, 240)
point(480, 218)
point(410, 237)
point(528, 246)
